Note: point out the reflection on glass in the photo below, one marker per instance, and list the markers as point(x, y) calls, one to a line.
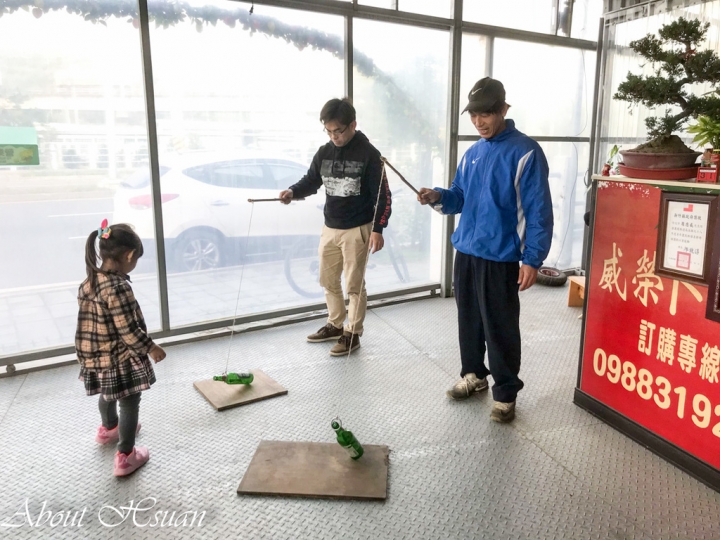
point(235, 124)
point(586, 19)
point(86, 104)
point(549, 88)
point(401, 100)
point(473, 68)
point(568, 173)
point(531, 15)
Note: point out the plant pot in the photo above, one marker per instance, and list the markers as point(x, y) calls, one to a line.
point(642, 160)
point(686, 173)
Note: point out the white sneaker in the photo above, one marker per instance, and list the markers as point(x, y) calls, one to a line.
point(466, 386)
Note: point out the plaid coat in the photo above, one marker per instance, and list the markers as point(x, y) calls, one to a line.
point(111, 329)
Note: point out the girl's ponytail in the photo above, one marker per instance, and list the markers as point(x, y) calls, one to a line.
point(91, 258)
point(113, 244)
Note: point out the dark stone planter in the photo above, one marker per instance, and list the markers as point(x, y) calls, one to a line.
point(641, 160)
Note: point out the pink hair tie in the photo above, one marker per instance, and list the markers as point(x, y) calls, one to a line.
point(104, 231)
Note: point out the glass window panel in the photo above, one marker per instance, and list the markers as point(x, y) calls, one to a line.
point(586, 19)
point(531, 15)
point(87, 106)
point(238, 175)
point(568, 164)
point(401, 101)
point(224, 123)
point(473, 67)
point(437, 8)
point(549, 88)
point(387, 4)
point(285, 174)
point(141, 178)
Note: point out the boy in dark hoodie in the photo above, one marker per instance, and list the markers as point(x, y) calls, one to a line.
point(357, 209)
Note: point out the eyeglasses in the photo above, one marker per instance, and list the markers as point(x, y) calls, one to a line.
point(335, 132)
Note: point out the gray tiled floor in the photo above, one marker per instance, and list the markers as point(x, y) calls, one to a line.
point(556, 472)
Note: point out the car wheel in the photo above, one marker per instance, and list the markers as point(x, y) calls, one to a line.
point(198, 251)
point(551, 277)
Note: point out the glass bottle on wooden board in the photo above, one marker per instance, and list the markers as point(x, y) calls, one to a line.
point(347, 440)
point(235, 378)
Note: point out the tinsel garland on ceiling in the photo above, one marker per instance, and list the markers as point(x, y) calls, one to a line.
point(166, 13)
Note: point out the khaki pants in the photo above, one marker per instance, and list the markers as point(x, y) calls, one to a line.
point(345, 251)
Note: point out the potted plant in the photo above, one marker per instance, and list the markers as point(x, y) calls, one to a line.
point(610, 166)
point(677, 63)
point(707, 132)
point(707, 136)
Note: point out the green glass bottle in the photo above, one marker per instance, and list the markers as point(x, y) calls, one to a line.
point(235, 378)
point(347, 440)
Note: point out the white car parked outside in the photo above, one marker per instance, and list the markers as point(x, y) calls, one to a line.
point(206, 213)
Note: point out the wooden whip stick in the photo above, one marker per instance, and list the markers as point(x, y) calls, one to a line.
point(408, 184)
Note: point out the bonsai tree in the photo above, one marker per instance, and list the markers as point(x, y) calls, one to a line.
point(677, 64)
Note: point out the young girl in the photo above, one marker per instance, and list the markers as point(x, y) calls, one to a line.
point(112, 342)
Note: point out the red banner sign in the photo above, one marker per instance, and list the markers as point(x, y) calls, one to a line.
point(649, 352)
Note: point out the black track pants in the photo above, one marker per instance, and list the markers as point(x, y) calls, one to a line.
point(486, 293)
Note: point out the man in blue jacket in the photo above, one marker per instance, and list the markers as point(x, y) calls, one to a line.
point(501, 188)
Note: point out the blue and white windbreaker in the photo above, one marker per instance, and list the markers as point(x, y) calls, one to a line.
point(501, 188)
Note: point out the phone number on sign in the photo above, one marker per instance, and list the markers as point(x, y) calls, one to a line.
point(658, 389)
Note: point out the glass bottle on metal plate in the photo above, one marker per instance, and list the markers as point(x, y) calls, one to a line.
point(347, 440)
point(235, 378)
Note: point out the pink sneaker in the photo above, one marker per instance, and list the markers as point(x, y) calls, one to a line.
point(105, 436)
point(125, 465)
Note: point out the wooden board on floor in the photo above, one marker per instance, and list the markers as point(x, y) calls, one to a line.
point(309, 469)
point(225, 396)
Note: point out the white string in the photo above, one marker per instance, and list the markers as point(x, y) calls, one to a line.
point(242, 273)
point(237, 300)
point(367, 259)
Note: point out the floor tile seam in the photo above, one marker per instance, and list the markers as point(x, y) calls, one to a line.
point(421, 351)
point(526, 341)
point(582, 483)
point(374, 311)
point(7, 411)
point(406, 338)
point(530, 433)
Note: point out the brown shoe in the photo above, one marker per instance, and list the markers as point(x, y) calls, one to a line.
point(503, 412)
point(346, 344)
point(326, 333)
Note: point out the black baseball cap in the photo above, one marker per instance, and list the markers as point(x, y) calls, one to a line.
point(485, 95)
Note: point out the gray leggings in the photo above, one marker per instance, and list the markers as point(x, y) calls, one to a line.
point(129, 409)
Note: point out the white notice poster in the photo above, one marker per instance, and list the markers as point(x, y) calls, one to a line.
point(685, 237)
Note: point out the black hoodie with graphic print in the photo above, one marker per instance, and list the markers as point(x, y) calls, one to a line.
point(351, 175)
